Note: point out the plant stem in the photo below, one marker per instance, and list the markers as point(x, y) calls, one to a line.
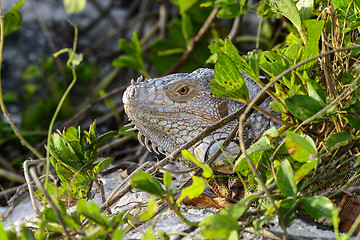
point(66, 93)
point(2, 104)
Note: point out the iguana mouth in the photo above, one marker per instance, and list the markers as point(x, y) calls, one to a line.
point(143, 139)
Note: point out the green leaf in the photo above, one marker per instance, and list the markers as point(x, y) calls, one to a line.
point(271, 133)
point(305, 7)
point(207, 171)
point(194, 190)
point(319, 206)
point(303, 107)
point(186, 28)
point(218, 226)
point(150, 211)
point(247, 64)
point(305, 169)
point(185, 5)
point(12, 18)
point(12, 97)
point(237, 210)
point(74, 6)
point(31, 71)
point(288, 209)
point(101, 164)
point(61, 150)
point(234, 235)
point(105, 136)
point(316, 91)
point(149, 234)
point(301, 149)
point(272, 63)
point(167, 179)
point(242, 165)
point(285, 179)
point(288, 9)
point(314, 28)
point(357, 161)
point(72, 134)
point(228, 81)
point(353, 119)
point(356, 51)
point(133, 57)
point(126, 46)
point(92, 212)
point(3, 234)
point(136, 42)
point(256, 152)
point(127, 61)
point(162, 235)
point(26, 233)
point(277, 107)
point(294, 51)
point(337, 140)
point(344, 9)
point(229, 11)
point(145, 182)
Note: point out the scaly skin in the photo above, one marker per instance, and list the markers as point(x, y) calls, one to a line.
point(171, 110)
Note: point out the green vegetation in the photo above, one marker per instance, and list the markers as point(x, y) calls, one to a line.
point(312, 71)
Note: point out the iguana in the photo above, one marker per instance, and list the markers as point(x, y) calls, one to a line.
point(169, 111)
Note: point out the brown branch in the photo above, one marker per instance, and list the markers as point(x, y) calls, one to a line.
point(196, 41)
point(349, 112)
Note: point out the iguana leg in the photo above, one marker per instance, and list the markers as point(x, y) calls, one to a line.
point(229, 190)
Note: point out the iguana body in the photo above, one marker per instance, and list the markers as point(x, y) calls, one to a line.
point(170, 110)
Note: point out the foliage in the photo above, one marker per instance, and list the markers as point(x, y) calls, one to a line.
point(99, 226)
point(12, 18)
point(76, 160)
point(310, 160)
point(74, 6)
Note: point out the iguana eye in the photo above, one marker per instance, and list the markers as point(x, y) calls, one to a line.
point(183, 91)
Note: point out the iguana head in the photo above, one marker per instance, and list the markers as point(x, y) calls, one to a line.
point(170, 110)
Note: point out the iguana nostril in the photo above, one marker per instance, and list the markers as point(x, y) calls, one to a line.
point(133, 92)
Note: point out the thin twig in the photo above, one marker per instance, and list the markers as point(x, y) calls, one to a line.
point(48, 38)
point(349, 112)
point(11, 176)
point(52, 204)
point(88, 107)
point(66, 93)
point(27, 163)
point(197, 39)
point(234, 28)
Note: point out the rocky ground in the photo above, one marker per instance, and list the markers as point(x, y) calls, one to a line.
point(167, 221)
